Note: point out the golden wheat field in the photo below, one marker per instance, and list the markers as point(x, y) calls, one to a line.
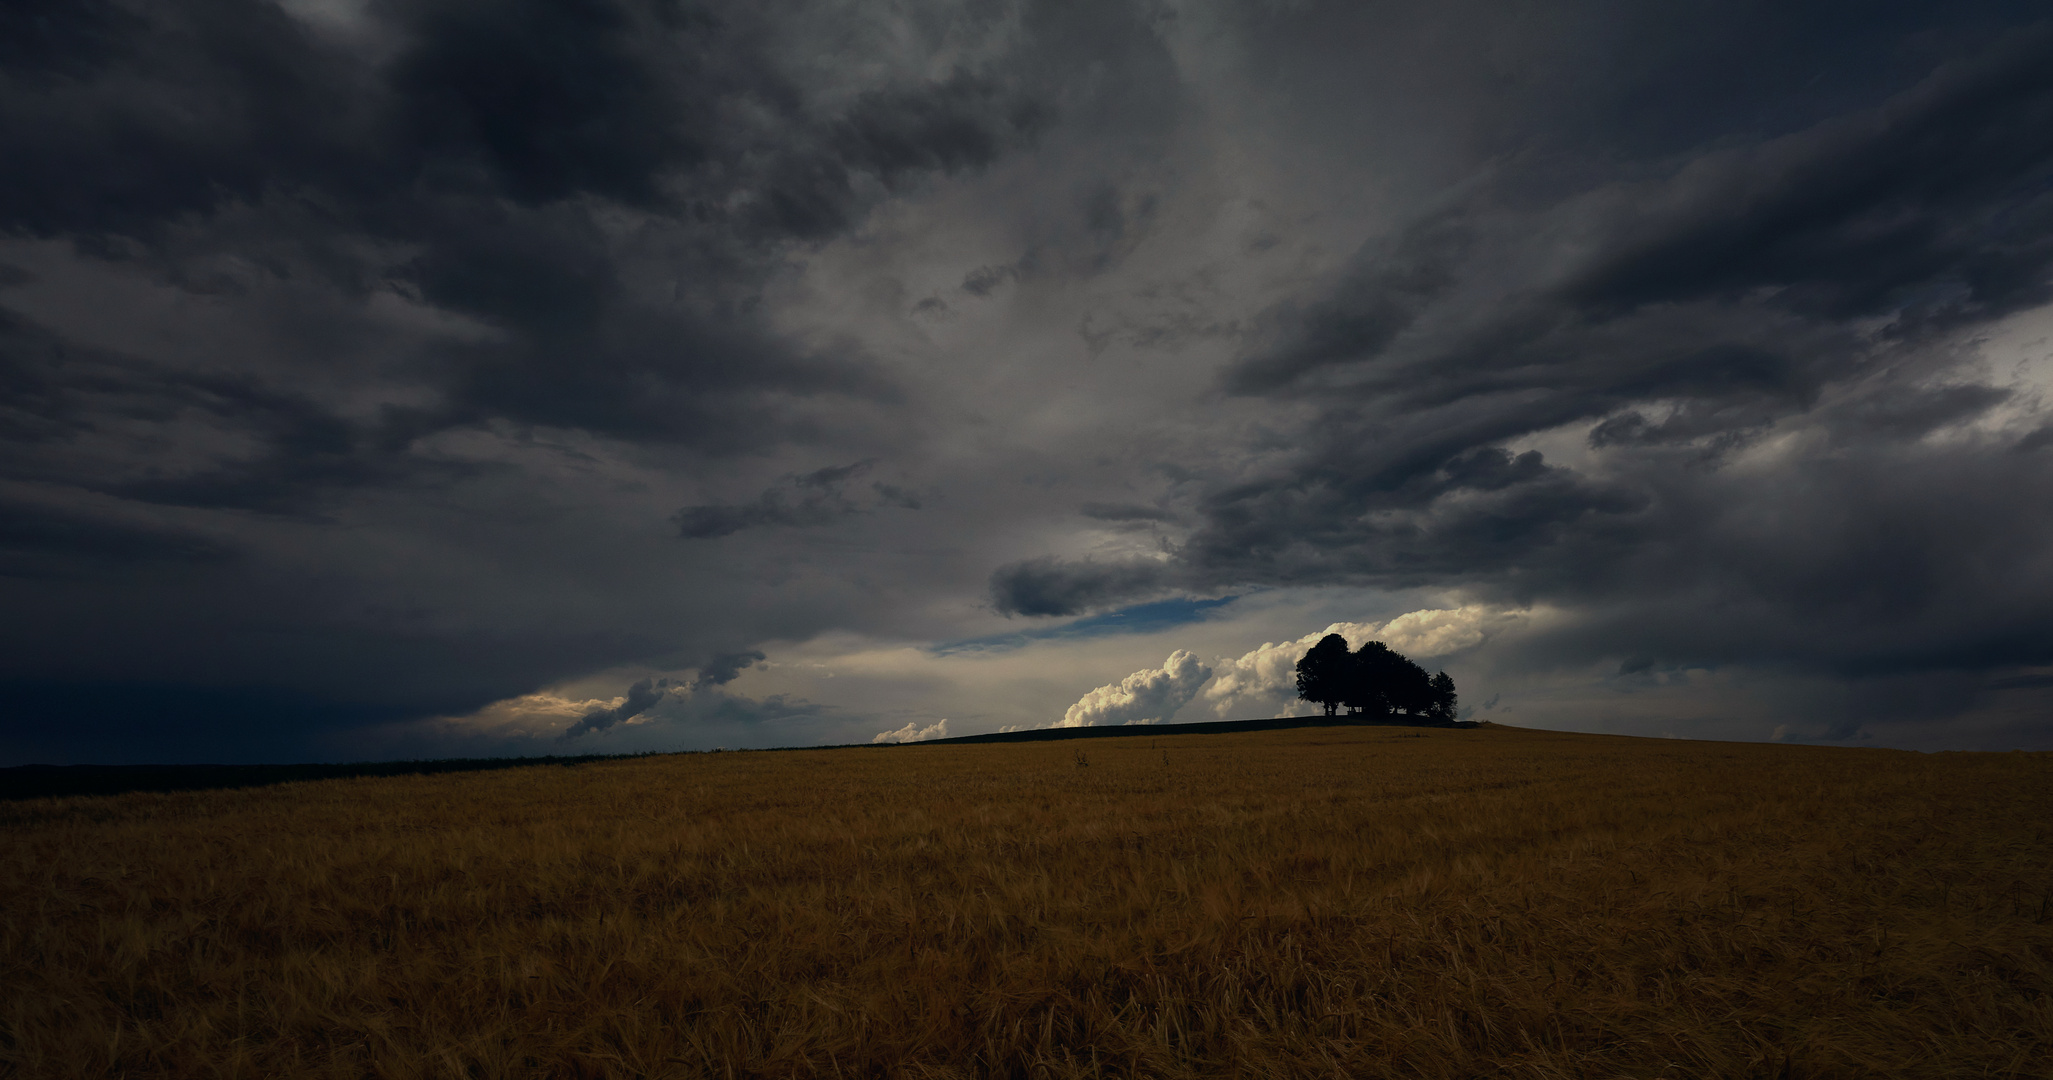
point(1317, 902)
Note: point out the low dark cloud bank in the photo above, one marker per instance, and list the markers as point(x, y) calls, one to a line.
point(366, 363)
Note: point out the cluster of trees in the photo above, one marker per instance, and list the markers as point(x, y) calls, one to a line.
point(1374, 681)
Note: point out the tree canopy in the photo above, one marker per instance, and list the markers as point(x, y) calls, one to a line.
point(1324, 673)
point(1374, 681)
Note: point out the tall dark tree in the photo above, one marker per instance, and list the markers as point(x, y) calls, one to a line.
point(1411, 689)
point(1444, 699)
point(1323, 674)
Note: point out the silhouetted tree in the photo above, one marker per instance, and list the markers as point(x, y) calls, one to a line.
point(1444, 698)
point(1323, 674)
point(1413, 692)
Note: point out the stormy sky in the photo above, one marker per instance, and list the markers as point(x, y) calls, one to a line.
point(480, 377)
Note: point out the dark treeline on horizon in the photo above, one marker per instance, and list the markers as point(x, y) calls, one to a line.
point(1374, 680)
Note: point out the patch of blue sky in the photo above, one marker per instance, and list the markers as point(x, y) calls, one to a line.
point(1139, 619)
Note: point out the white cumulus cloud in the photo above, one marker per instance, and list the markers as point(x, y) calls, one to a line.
point(1142, 697)
point(913, 732)
point(1444, 631)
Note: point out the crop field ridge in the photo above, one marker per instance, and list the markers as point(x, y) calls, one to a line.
point(1347, 901)
point(54, 781)
point(1208, 727)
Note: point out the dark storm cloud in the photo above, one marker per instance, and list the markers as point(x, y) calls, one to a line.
point(38, 541)
point(985, 279)
point(542, 102)
point(702, 703)
point(814, 499)
point(2037, 440)
point(1929, 212)
point(701, 706)
point(1812, 285)
point(491, 147)
point(65, 405)
point(1049, 586)
point(1088, 235)
point(639, 698)
point(120, 119)
point(1932, 209)
point(1101, 511)
point(575, 208)
point(1385, 293)
point(1934, 206)
point(350, 365)
point(1140, 619)
point(725, 668)
point(728, 158)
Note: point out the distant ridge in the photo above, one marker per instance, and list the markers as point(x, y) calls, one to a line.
point(61, 781)
point(20, 782)
point(1214, 727)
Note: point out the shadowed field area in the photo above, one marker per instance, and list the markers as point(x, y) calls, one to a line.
point(1312, 902)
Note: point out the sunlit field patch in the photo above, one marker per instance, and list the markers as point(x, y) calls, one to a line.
point(1315, 902)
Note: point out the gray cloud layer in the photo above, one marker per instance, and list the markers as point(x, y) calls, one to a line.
point(1804, 288)
point(377, 362)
